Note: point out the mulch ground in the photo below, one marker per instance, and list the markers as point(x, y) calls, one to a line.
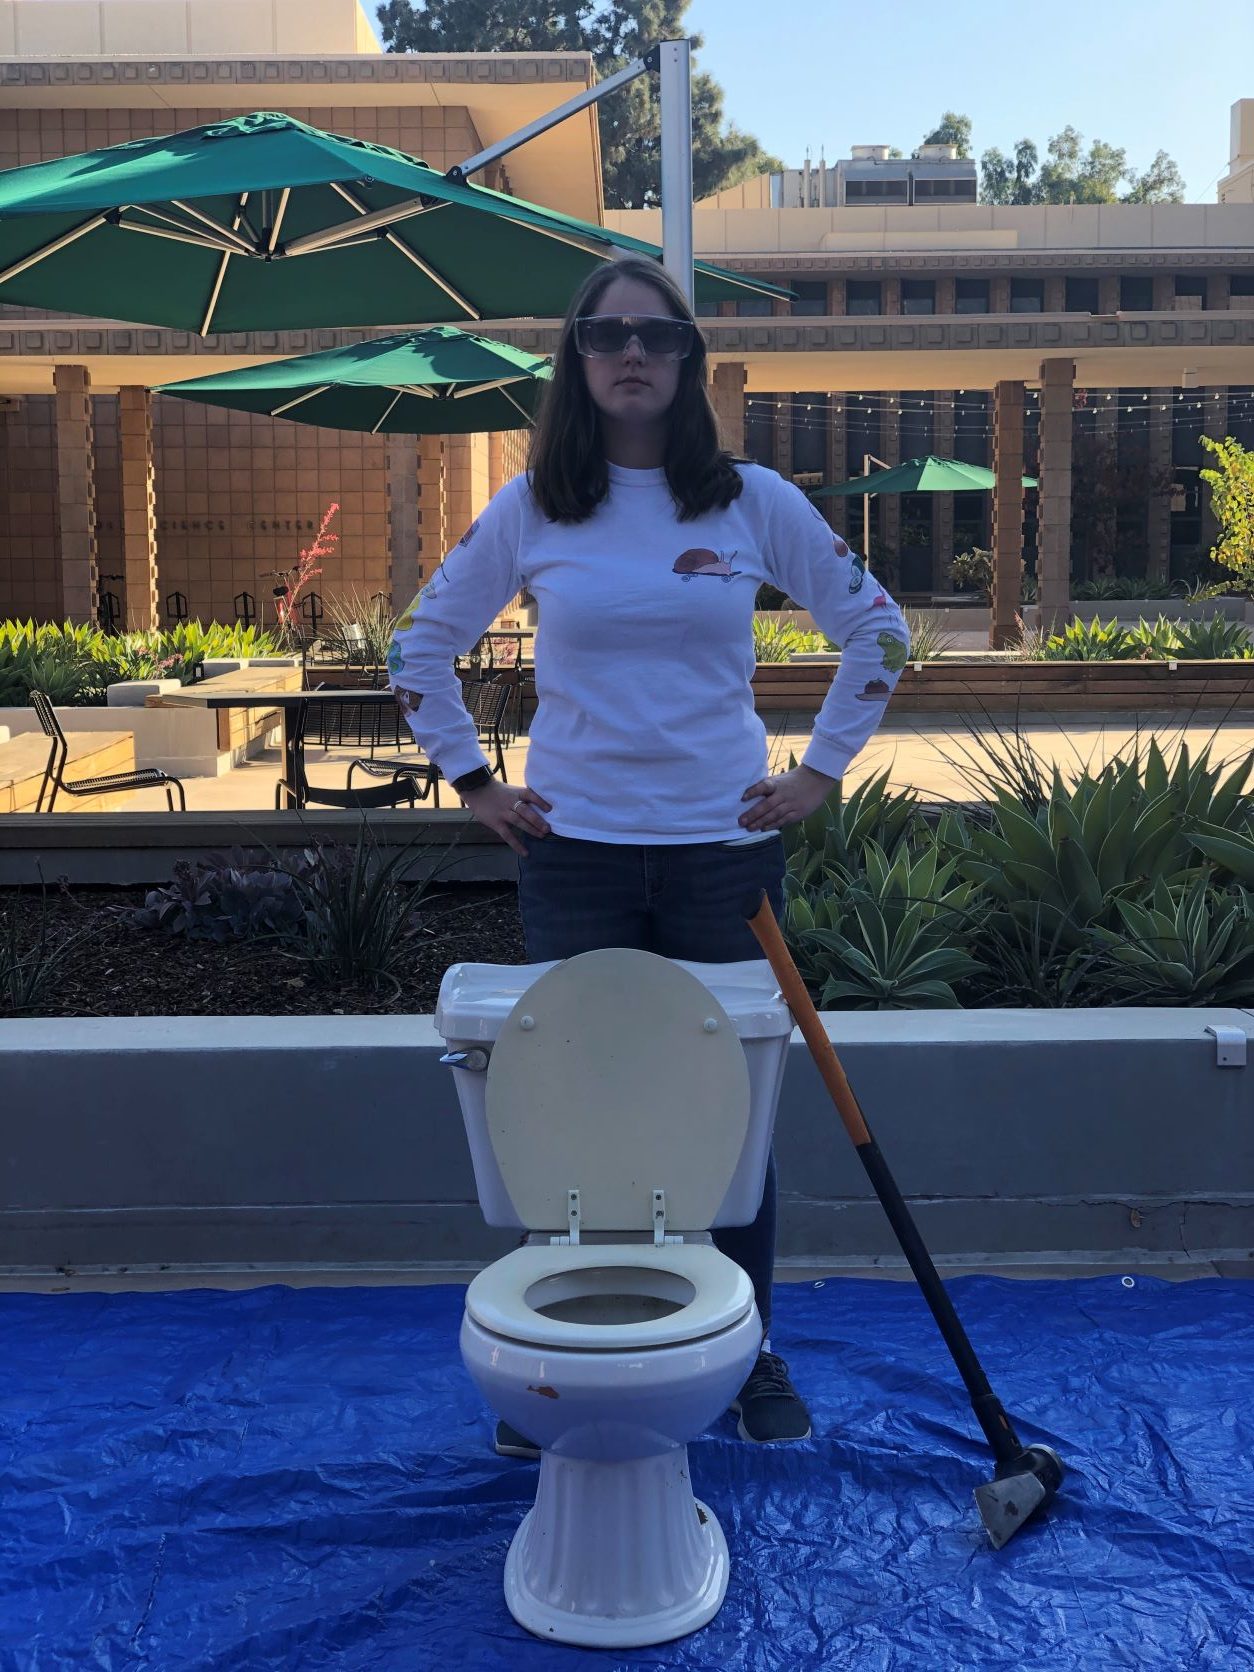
point(116, 969)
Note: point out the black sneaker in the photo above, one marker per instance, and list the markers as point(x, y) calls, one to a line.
point(768, 1405)
point(508, 1442)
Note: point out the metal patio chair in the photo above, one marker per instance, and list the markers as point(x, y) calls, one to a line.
point(55, 781)
point(487, 701)
point(309, 718)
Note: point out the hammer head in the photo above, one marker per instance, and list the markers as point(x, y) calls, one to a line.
point(1022, 1486)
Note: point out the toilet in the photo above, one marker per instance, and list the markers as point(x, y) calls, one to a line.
point(618, 1105)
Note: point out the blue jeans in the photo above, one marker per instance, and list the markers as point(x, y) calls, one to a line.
point(683, 901)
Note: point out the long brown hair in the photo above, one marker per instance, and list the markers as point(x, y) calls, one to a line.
point(566, 463)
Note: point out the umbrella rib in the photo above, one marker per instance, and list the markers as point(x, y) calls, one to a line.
point(309, 395)
point(217, 283)
point(486, 388)
point(375, 428)
point(371, 220)
point(527, 415)
point(231, 235)
point(198, 240)
point(430, 272)
point(417, 389)
point(278, 218)
point(52, 248)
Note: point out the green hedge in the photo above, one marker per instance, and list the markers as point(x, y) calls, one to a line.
point(75, 665)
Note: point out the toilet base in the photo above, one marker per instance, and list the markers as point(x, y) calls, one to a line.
point(616, 1555)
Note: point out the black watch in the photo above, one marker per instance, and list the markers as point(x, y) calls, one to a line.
point(479, 779)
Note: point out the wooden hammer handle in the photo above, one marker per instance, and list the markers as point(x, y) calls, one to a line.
point(764, 926)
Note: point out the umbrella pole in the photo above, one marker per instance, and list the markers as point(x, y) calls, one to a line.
point(676, 123)
point(868, 459)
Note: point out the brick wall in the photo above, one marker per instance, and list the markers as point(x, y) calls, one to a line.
point(236, 496)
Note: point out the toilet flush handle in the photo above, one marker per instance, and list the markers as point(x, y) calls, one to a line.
point(475, 1059)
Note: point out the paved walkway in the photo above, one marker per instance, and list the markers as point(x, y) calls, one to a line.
point(922, 753)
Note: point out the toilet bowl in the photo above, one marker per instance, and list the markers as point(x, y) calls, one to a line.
point(618, 1106)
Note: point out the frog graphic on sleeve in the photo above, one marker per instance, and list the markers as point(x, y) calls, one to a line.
point(896, 652)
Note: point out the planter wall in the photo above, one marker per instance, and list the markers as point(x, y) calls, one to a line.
point(1008, 687)
point(325, 1139)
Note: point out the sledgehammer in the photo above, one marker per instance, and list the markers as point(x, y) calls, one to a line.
point(1027, 1477)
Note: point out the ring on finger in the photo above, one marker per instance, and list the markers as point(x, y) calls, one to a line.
point(519, 803)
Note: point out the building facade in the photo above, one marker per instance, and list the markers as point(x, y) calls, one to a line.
point(162, 507)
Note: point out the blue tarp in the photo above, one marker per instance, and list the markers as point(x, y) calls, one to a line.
point(302, 1479)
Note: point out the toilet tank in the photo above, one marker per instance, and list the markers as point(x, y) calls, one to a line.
point(476, 999)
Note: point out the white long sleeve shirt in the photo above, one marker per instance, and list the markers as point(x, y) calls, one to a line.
point(645, 730)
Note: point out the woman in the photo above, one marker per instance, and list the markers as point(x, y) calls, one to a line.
point(648, 815)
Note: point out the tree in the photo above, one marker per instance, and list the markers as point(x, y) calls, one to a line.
point(1072, 175)
point(952, 129)
point(614, 32)
point(1232, 498)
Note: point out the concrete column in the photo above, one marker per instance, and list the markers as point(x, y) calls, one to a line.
point(943, 447)
point(1108, 293)
point(1007, 512)
point(1053, 562)
point(433, 508)
point(945, 293)
point(783, 434)
point(496, 463)
point(466, 464)
point(1106, 440)
point(1218, 291)
point(836, 297)
point(727, 391)
point(78, 572)
point(838, 511)
point(890, 436)
point(404, 523)
point(999, 293)
point(139, 509)
point(1215, 425)
point(1158, 529)
point(1164, 297)
point(1055, 298)
point(890, 293)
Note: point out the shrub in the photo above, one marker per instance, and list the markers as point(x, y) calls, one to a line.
point(776, 641)
point(972, 571)
point(30, 966)
point(76, 664)
point(1091, 641)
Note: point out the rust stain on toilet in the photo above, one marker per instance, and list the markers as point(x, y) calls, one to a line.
point(544, 1392)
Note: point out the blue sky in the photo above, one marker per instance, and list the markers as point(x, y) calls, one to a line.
point(1142, 75)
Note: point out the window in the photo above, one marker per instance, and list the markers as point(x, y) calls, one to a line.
point(1027, 295)
point(957, 191)
point(809, 433)
point(971, 296)
point(1242, 284)
point(754, 307)
point(1191, 284)
point(971, 426)
point(876, 191)
point(862, 296)
point(707, 310)
point(760, 430)
point(916, 424)
point(1082, 296)
point(918, 296)
point(810, 297)
point(1136, 295)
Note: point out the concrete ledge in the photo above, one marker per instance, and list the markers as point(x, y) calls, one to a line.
point(322, 1140)
point(128, 849)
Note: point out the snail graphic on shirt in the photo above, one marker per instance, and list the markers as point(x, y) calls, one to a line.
point(700, 560)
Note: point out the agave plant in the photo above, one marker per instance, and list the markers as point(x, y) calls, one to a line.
point(890, 940)
point(1091, 641)
point(1106, 836)
point(776, 641)
point(1188, 944)
point(1216, 640)
point(835, 837)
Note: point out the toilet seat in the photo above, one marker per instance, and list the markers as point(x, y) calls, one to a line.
point(497, 1297)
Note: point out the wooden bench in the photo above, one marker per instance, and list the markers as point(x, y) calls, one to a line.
point(24, 759)
point(1028, 687)
point(238, 727)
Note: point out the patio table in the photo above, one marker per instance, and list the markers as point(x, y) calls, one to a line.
point(287, 702)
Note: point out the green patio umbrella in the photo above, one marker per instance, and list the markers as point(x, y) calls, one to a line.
point(926, 475)
point(262, 223)
point(436, 382)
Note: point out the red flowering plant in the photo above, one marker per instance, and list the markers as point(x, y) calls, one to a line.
point(287, 596)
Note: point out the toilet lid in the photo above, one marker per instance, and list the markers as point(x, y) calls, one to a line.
point(615, 1074)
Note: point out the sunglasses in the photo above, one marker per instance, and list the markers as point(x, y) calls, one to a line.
point(600, 336)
